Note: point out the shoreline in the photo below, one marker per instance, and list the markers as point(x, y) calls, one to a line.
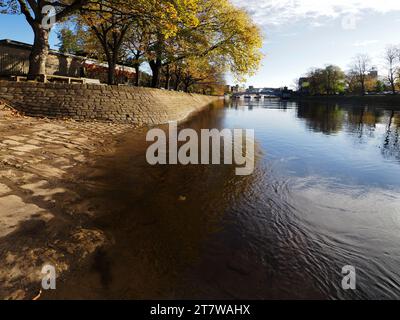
point(393, 99)
point(138, 106)
point(50, 172)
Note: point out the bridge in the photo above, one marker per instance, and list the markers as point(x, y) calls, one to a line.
point(266, 94)
point(254, 96)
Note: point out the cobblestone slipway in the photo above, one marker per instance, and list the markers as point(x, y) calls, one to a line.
point(42, 217)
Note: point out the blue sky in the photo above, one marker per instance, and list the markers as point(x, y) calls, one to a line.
point(299, 34)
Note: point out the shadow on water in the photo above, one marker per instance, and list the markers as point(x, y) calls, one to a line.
point(158, 217)
point(324, 194)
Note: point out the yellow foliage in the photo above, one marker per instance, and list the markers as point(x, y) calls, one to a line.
point(236, 38)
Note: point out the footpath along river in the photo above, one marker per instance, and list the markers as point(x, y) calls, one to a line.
point(325, 194)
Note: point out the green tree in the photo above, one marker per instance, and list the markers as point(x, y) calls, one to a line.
point(330, 80)
point(380, 86)
point(316, 80)
point(334, 80)
point(71, 41)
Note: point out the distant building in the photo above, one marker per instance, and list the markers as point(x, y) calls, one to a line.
point(253, 90)
point(373, 74)
point(237, 89)
point(269, 90)
point(14, 61)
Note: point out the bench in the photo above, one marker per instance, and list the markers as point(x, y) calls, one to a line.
point(18, 78)
point(55, 78)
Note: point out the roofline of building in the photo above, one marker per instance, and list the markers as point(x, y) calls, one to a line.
point(56, 52)
point(29, 46)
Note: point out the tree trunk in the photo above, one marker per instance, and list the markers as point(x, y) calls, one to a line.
point(155, 66)
point(137, 70)
point(167, 77)
point(39, 53)
point(186, 87)
point(363, 87)
point(111, 73)
point(177, 84)
point(112, 64)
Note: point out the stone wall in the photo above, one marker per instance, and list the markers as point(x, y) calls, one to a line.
point(120, 104)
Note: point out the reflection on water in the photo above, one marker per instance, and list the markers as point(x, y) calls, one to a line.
point(325, 193)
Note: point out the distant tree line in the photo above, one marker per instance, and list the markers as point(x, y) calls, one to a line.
point(183, 43)
point(361, 78)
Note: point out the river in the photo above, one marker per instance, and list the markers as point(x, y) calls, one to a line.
point(325, 194)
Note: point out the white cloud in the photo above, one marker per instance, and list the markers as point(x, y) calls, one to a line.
point(277, 12)
point(365, 43)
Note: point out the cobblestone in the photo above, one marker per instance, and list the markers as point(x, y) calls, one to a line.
point(40, 212)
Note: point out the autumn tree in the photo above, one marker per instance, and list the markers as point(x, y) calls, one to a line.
point(198, 71)
point(138, 41)
point(352, 81)
point(233, 37)
point(166, 32)
point(38, 14)
point(109, 22)
point(391, 58)
point(171, 20)
point(219, 29)
point(361, 67)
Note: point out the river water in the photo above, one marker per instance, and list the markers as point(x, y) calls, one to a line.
point(325, 194)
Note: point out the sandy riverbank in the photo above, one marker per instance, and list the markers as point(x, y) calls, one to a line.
point(43, 216)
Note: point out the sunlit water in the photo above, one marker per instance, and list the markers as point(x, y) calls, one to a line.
point(325, 194)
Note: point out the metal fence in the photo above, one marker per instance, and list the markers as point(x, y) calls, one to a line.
point(12, 63)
